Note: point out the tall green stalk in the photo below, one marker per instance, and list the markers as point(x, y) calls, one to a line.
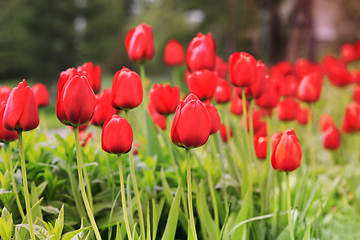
point(82, 187)
point(25, 184)
point(211, 187)
point(11, 171)
point(191, 213)
point(289, 207)
point(123, 200)
point(311, 145)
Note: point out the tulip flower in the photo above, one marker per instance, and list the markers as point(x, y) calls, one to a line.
point(201, 53)
point(4, 93)
point(287, 87)
point(274, 138)
point(220, 67)
point(127, 90)
point(139, 43)
point(288, 109)
point(256, 119)
point(236, 106)
point(357, 48)
point(257, 89)
point(348, 53)
point(242, 68)
point(84, 137)
point(103, 109)
point(270, 99)
point(260, 145)
point(283, 68)
point(75, 101)
point(325, 121)
point(202, 83)
point(224, 133)
point(42, 95)
point(117, 135)
point(158, 119)
point(262, 130)
point(302, 116)
point(302, 67)
point(222, 92)
point(286, 156)
point(192, 124)
point(21, 113)
point(164, 98)
point(356, 94)
point(352, 117)
point(174, 53)
point(331, 138)
point(93, 74)
point(5, 135)
point(214, 116)
point(337, 71)
point(309, 88)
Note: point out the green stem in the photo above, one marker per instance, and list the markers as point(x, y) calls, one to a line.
point(245, 127)
point(311, 145)
point(88, 186)
point(191, 213)
point(11, 171)
point(289, 207)
point(25, 183)
point(268, 169)
point(137, 195)
point(175, 76)
point(79, 206)
point(82, 187)
point(145, 83)
point(211, 187)
point(251, 133)
point(126, 219)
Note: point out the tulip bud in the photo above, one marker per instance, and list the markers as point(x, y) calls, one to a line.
point(93, 74)
point(309, 88)
point(325, 121)
point(257, 89)
point(192, 124)
point(42, 95)
point(302, 116)
point(348, 53)
point(220, 67)
point(117, 135)
point(236, 106)
point(287, 152)
point(127, 90)
point(222, 92)
point(75, 101)
point(270, 99)
point(103, 109)
point(288, 109)
point(5, 135)
point(260, 145)
point(214, 116)
point(4, 93)
point(336, 71)
point(164, 98)
point(174, 53)
point(202, 83)
point(224, 133)
point(242, 69)
point(288, 86)
point(139, 43)
point(331, 138)
point(352, 117)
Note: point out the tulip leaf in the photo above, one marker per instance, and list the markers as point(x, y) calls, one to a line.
point(242, 215)
point(5, 230)
point(70, 235)
point(39, 231)
point(307, 234)
point(171, 224)
point(118, 232)
point(34, 210)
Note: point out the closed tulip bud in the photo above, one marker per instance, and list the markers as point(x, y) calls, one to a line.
point(214, 117)
point(260, 145)
point(243, 71)
point(257, 89)
point(309, 88)
point(117, 135)
point(287, 87)
point(274, 138)
point(42, 95)
point(222, 92)
point(288, 109)
point(356, 94)
point(256, 119)
point(331, 138)
point(103, 109)
point(164, 98)
point(192, 124)
point(336, 71)
point(174, 53)
point(4, 93)
point(21, 113)
point(348, 53)
point(201, 53)
point(139, 43)
point(302, 116)
point(93, 74)
point(325, 121)
point(5, 135)
point(75, 101)
point(352, 117)
point(262, 130)
point(286, 156)
point(202, 83)
point(284, 68)
point(224, 133)
point(357, 48)
point(302, 67)
point(236, 106)
point(270, 99)
point(127, 90)
point(158, 119)
point(220, 67)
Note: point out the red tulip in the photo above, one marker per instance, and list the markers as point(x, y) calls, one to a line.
point(75, 101)
point(84, 137)
point(164, 98)
point(117, 135)
point(93, 74)
point(302, 116)
point(224, 133)
point(5, 135)
point(139, 43)
point(256, 119)
point(309, 88)
point(127, 90)
point(4, 93)
point(288, 109)
point(260, 145)
point(262, 130)
point(222, 92)
point(352, 117)
point(257, 89)
point(274, 138)
point(236, 106)
point(325, 121)
point(287, 152)
point(270, 99)
point(336, 71)
point(192, 124)
point(103, 109)
point(202, 83)
point(302, 67)
point(174, 53)
point(42, 95)
point(288, 86)
point(201, 53)
point(220, 67)
point(214, 116)
point(158, 119)
point(21, 113)
point(242, 69)
point(348, 53)
point(357, 48)
point(283, 68)
point(356, 94)
point(331, 138)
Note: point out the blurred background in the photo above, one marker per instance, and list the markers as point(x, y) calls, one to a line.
point(39, 39)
